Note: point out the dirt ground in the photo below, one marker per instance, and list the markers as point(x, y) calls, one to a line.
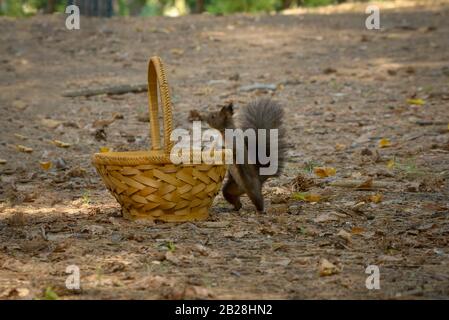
point(344, 89)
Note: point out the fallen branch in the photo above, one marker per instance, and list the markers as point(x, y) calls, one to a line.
point(120, 89)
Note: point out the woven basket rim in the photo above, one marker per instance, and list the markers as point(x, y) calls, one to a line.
point(125, 158)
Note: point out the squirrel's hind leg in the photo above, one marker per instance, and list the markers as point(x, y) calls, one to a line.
point(253, 189)
point(232, 193)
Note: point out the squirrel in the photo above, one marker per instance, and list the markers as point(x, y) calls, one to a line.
point(246, 177)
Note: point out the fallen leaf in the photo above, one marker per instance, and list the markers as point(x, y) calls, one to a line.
point(177, 51)
point(308, 197)
point(357, 230)
point(375, 198)
point(15, 293)
point(45, 165)
point(20, 105)
point(49, 294)
point(104, 149)
point(3, 161)
point(50, 123)
point(170, 256)
point(21, 137)
point(302, 183)
point(340, 147)
point(324, 172)
point(366, 185)
point(283, 262)
point(327, 268)
point(384, 143)
point(61, 144)
point(416, 102)
point(391, 163)
point(22, 148)
point(196, 292)
point(344, 235)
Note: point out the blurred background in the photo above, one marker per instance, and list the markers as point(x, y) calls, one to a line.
point(107, 8)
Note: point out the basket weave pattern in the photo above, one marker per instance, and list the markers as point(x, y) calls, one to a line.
point(146, 183)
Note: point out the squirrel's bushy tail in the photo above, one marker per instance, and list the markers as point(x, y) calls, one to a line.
point(265, 114)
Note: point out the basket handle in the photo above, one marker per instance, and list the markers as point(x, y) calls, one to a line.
point(156, 75)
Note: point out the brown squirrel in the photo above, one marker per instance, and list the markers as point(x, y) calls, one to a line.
point(246, 177)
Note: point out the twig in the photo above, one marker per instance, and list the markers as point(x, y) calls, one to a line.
point(120, 89)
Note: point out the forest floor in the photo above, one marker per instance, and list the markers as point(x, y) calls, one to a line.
point(344, 88)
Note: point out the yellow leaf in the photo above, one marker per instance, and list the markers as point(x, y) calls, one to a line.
point(3, 161)
point(376, 198)
point(61, 144)
point(45, 165)
point(24, 149)
point(313, 197)
point(21, 137)
point(104, 149)
point(357, 230)
point(324, 172)
point(177, 51)
point(50, 123)
point(327, 268)
point(416, 102)
point(308, 197)
point(340, 147)
point(383, 143)
point(391, 164)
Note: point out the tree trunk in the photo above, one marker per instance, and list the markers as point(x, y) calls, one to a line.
point(199, 6)
point(95, 8)
point(50, 6)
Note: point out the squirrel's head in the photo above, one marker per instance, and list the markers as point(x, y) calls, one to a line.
point(222, 119)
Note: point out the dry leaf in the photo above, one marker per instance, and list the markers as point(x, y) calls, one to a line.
point(340, 147)
point(366, 185)
point(61, 144)
point(344, 235)
point(324, 172)
point(308, 197)
point(176, 51)
point(50, 123)
point(416, 102)
point(391, 163)
point(24, 149)
point(21, 137)
point(104, 149)
point(45, 165)
point(327, 268)
point(357, 230)
point(384, 143)
point(169, 256)
point(376, 198)
point(3, 161)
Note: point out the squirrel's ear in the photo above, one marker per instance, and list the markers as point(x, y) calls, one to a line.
point(229, 108)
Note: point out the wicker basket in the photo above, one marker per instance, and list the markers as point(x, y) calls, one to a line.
point(146, 183)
